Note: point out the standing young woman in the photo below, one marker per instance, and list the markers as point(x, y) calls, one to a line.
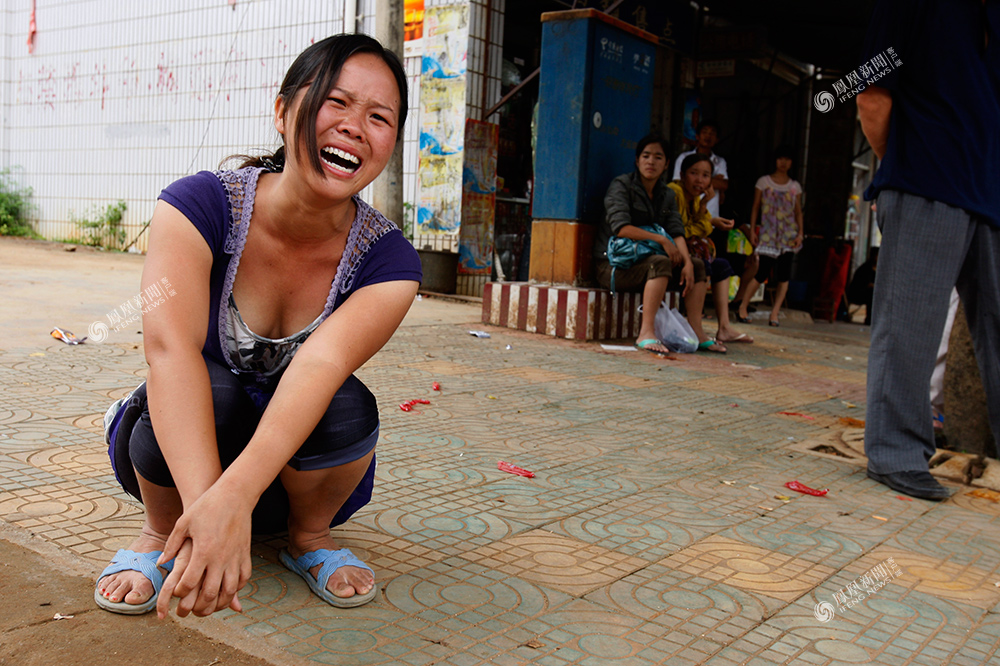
point(696, 179)
point(778, 202)
point(286, 283)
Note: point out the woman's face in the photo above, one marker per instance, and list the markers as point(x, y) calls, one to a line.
point(355, 128)
point(783, 164)
point(652, 162)
point(697, 178)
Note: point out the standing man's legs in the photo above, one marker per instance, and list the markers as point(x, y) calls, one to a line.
point(979, 287)
point(923, 249)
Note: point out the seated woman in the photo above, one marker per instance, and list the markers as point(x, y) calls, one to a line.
point(286, 283)
point(695, 180)
point(642, 199)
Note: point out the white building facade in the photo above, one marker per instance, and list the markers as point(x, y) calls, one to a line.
point(108, 100)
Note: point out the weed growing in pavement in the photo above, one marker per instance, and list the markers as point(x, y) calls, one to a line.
point(102, 227)
point(15, 207)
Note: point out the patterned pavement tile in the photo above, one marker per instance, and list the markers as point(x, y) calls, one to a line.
point(948, 579)
point(750, 389)
point(88, 522)
point(969, 500)
point(650, 525)
point(448, 528)
point(652, 464)
point(475, 608)
point(40, 434)
point(749, 567)
point(17, 475)
point(555, 561)
point(954, 534)
point(681, 602)
point(551, 495)
point(884, 629)
point(581, 633)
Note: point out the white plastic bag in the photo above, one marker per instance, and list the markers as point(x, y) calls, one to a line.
point(673, 330)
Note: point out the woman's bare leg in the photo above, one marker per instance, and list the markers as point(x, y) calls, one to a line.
point(652, 295)
point(752, 287)
point(720, 294)
point(314, 499)
point(779, 297)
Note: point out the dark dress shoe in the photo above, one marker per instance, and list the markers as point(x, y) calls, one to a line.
point(914, 483)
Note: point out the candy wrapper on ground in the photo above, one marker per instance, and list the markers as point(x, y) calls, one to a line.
point(514, 469)
point(67, 336)
point(806, 490)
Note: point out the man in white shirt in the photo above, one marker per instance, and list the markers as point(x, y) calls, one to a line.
point(708, 136)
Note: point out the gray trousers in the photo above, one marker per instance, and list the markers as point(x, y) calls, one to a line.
point(927, 248)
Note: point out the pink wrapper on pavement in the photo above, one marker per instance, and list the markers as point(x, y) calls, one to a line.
point(514, 469)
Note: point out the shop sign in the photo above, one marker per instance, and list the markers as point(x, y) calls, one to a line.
point(709, 69)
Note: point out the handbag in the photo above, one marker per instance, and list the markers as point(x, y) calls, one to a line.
point(626, 252)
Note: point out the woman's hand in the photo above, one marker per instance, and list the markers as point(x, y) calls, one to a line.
point(753, 236)
point(687, 277)
point(723, 223)
point(671, 250)
point(211, 543)
point(709, 193)
point(797, 241)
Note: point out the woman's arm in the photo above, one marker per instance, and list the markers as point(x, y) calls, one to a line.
point(754, 211)
point(798, 221)
point(218, 523)
point(178, 388)
point(687, 271)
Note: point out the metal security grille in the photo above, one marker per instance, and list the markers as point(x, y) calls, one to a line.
point(121, 98)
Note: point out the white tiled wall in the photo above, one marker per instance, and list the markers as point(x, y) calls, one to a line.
point(121, 98)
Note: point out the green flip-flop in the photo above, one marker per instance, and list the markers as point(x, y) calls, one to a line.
point(644, 345)
point(708, 345)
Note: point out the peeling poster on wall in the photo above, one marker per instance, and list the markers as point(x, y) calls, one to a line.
point(442, 119)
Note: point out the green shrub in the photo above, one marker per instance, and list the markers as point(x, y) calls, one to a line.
point(15, 207)
point(102, 226)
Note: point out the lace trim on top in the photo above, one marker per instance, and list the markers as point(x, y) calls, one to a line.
point(241, 187)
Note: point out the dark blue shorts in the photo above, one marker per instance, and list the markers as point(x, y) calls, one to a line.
point(347, 432)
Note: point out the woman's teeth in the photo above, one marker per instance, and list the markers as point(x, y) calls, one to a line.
point(340, 159)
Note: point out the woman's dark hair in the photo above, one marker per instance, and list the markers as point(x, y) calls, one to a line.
point(649, 139)
point(318, 68)
point(784, 150)
point(693, 159)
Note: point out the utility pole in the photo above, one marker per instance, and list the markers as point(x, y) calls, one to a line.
point(387, 195)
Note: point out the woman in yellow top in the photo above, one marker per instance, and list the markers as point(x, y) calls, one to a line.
point(695, 180)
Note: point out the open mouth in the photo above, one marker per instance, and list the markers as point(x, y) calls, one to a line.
point(340, 159)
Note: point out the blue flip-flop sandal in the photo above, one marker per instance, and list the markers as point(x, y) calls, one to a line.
point(331, 561)
point(129, 560)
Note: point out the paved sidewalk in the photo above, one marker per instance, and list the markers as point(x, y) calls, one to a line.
point(657, 529)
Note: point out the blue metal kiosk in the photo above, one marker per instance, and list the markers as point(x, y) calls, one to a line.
point(595, 101)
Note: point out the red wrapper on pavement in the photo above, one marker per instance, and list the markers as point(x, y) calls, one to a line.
point(799, 488)
point(514, 469)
